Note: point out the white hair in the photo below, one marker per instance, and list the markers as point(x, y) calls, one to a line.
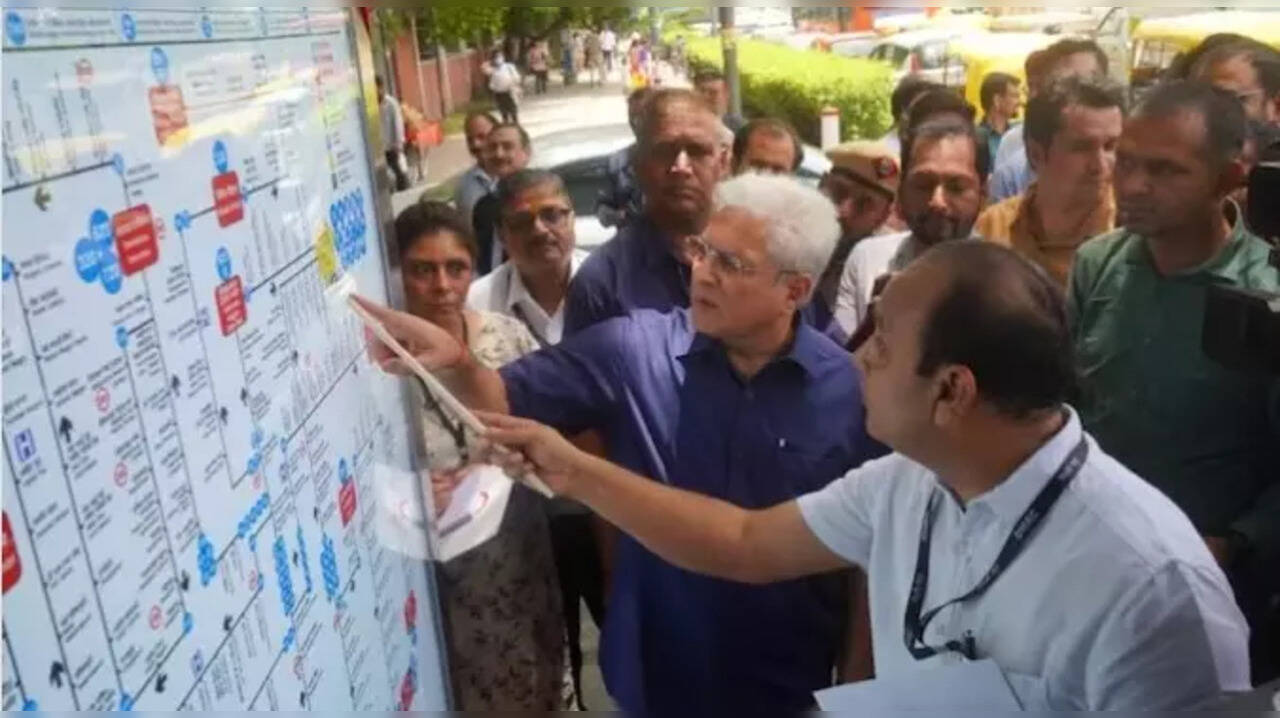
point(801, 229)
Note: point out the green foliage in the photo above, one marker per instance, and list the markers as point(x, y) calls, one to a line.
point(796, 84)
point(459, 25)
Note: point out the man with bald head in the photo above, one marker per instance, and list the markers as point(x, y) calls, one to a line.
point(679, 158)
point(999, 530)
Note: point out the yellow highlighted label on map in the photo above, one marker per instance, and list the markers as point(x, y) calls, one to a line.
point(326, 257)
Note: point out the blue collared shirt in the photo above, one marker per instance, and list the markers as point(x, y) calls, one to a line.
point(1011, 174)
point(472, 186)
point(673, 410)
point(634, 270)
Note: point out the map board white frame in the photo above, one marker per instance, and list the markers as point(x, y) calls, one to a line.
point(197, 452)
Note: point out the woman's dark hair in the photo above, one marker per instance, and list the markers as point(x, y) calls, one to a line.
point(1004, 319)
point(424, 218)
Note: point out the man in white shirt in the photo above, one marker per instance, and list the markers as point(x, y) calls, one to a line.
point(536, 229)
point(609, 46)
point(999, 530)
point(392, 133)
point(535, 225)
point(939, 197)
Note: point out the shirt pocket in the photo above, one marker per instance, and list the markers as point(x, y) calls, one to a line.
point(803, 466)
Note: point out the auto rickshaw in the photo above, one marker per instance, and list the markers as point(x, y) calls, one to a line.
point(1158, 41)
point(979, 54)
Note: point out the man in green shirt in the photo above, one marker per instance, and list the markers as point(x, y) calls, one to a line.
point(1207, 436)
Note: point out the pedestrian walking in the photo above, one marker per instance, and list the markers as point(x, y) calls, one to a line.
point(504, 83)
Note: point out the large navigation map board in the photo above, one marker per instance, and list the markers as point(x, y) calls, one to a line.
point(192, 433)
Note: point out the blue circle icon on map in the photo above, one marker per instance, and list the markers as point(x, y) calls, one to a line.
point(128, 29)
point(224, 264)
point(206, 27)
point(122, 337)
point(160, 65)
point(188, 622)
point(100, 226)
point(126, 702)
point(15, 29)
point(6, 268)
point(117, 163)
point(220, 156)
point(109, 272)
point(87, 259)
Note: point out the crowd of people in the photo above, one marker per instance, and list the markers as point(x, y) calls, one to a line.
point(1027, 458)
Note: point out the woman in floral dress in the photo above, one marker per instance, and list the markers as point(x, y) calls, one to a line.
point(501, 600)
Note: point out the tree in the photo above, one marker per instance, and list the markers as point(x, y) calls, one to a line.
point(458, 26)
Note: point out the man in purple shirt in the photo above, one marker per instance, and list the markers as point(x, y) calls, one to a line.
point(678, 160)
point(734, 397)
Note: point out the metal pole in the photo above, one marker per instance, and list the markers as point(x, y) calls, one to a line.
point(729, 43)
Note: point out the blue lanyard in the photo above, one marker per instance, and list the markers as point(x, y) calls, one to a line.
point(915, 624)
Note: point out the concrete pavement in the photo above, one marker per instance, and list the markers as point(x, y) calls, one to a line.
point(561, 108)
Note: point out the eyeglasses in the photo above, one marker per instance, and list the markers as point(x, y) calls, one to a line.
point(551, 216)
point(725, 263)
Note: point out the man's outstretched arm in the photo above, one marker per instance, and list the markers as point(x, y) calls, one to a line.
point(693, 531)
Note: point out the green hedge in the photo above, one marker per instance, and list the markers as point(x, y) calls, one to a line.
point(796, 84)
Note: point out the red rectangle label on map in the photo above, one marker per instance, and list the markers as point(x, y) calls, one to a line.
point(12, 565)
point(227, 203)
point(168, 111)
point(347, 501)
point(229, 296)
point(135, 238)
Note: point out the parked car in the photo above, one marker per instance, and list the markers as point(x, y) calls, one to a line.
point(926, 53)
point(854, 44)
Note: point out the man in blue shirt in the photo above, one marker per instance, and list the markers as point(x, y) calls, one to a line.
point(678, 160)
point(733, 397)
point(620, 201)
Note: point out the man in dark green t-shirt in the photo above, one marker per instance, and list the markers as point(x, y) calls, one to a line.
point(1207, 436)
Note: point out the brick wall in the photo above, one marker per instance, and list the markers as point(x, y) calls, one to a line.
point(465, 80)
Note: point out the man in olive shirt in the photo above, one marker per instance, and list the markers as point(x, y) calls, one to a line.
point(1207, 436)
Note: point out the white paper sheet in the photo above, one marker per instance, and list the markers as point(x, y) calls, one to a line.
point(973, 685)
point(474, 513)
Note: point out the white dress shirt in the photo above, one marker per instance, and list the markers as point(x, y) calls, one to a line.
point(870, 258)
point(392, 123)
point(1114, 602)
point(504, 292)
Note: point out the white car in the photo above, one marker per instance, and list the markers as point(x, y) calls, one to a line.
point(924, 53)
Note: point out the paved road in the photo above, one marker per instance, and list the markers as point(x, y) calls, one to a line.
point(561, 108)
